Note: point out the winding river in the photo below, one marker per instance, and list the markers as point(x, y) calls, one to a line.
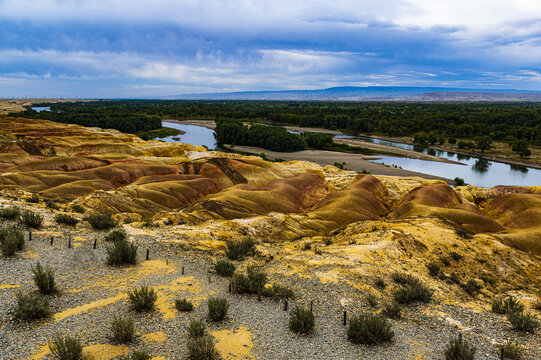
point(475, 171)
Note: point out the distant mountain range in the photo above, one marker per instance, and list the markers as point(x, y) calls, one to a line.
point(375, 93)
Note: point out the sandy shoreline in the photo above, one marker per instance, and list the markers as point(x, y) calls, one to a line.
point(356, 162)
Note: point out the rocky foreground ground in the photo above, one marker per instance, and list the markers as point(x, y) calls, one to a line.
point(332, 236)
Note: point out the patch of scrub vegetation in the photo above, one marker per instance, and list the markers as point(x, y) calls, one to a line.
point(10, 213)
point(31, 219)
point(11, 240)
point(122, 329)
point(31, 306)
point(116, 235)
point(101, 221)
point(224, 268)
point(238, 250)
point(143, 298)
point(66, 219)
point(122, 252)
point(301, 320)
point(459, 349)
point(411, 290)
point(66, 348)
point(217, 308)
point(369, 329)
point(44, 279)
point(200, 345)
point(183, 305)
point(139, 355)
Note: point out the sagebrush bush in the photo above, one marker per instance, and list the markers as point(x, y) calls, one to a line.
point(392, 310)
point(372, 300)
point(122, 252)
point(224, 268)
point(143, 298)
point(433, 269)
point(507, 305)
point(463, 233)
point(201, 348)
point(459, 349)
point(139, 355)
point(252, 283)
point(66, 348)
point(413, 291)
point(52, 204)
point(183, 305)
point(455, 256)
point(277, 291)
point(217, 308)
point(31, 219)
point(196, 328)
point(78, 208)
point(66, 219)
point(44, 279)
point(404, 279)
point(10, 213)
point(523, 321)
point(34, 199)
point(380, 283)
point(122, 329)
point(369, 329)
point(101, 221)
point(11, 240)
point(511, 349)
point(116, 235)
point(31, 306)
point(238, 250)
point(301, 320)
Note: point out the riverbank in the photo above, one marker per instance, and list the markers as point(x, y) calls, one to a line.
point(355, 162)
point(209, 124)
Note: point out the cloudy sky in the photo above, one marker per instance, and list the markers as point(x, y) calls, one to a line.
point(142, 48)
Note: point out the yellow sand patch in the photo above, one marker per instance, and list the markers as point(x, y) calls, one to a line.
point(234, 344)
point(154, 266)
point(158, 358)
point(42, 352)
point(164, 306)
point(185, 283)
point(105, 351)
point(87, 307)
point(155, 337)
point(29, 254)
point(8, 286)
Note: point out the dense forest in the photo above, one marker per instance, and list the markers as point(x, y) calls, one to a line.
point(509, 122)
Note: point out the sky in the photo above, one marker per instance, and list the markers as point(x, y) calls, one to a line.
point(142, 48)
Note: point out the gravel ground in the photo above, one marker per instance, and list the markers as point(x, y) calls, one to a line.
point(83, 277)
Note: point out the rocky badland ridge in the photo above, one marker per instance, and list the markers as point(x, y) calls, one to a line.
point(312, 225)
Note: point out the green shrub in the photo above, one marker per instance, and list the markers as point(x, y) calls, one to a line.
point(433, 269)
point(143, 299)
point(277, 291)
point(66, 348)
point(372, 300)
point(456, 256)
point(369, 329)
point(301, 320)
point(459, 349)
point(217, 308)
point(380, 283)
point(459, 181)
point(403, 279)
point(31, 306)
point(66, 219)
point(523, 321)
point(116, 235)
point(52, 204)
point(78, 208)
point(463, 233)
point(238, 250)
point(11, 240)
point(507, 305)
point(101, 221)
point(201, 348)
point(512, 350)
point(392, 310)
point(139, 355)
point(121, 253)
point(224, 268)
point(44, 279)
point(413, 291)
point(196, 328)
point(10, 213)
point(31, 219)
point(252, 283)
point(183, 305)
point(34, 199)
point(122, 329)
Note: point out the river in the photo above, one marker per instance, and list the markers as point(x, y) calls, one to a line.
point(475, 171)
